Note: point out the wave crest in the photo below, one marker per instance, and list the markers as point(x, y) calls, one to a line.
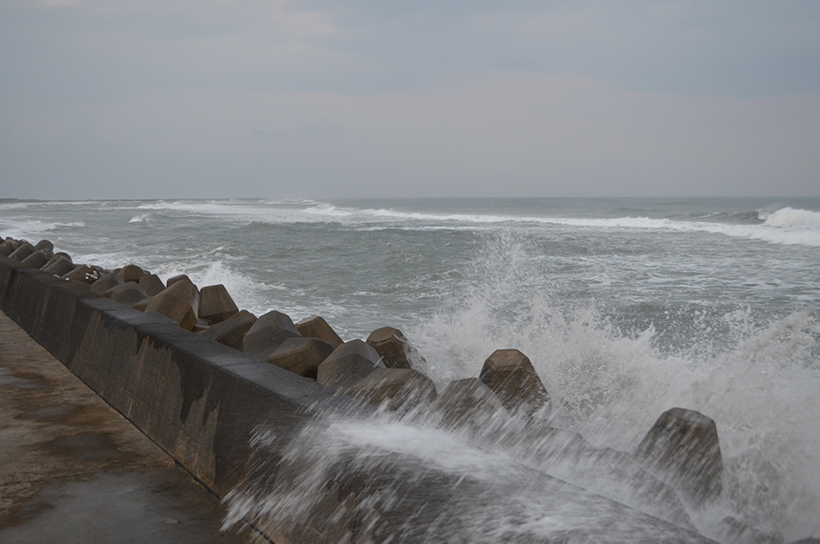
point(759, 387)
point(791, 217)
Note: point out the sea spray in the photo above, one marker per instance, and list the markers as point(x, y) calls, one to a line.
point(791, 217)
point(760, 386)
point(246, 292)
point(625, 306)
point(768, 476)
point(388, 479)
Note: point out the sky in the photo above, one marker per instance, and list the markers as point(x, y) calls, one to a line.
point(319, 99)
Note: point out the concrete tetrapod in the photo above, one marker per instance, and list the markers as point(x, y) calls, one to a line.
point(8, 247)
point(106, 282)
point(301, 356)
point(398, 389)
point(467, 402)
point(683, 448)
point(394, 348)
point(231, 331)
point(349, 364)
point(83, 274)
point(201, 326)
point(179, 277)
point(216, 304)
point(22, 251)
point(368, 493)
point(189, 292)
point(614, 474)
point(202, 402)
point(373, 490)
point(54, 258)
point(186, 291)
point(268, 333)
point(511, 376)
point(128, 293)
point(131, 272)
point(316, 327)
point(177, 302)
point(152, 284)
point(37, 259)
point(44, 244)
point(59, 266)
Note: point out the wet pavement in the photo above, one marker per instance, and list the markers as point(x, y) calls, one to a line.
point(74, 470)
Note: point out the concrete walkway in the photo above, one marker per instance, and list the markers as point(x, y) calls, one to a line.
point(73, 470)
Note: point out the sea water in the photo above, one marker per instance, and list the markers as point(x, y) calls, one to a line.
point(626, 307)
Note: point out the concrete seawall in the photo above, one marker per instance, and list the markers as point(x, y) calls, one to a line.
point(197, 399)
point(201, 402)
point(74, 471)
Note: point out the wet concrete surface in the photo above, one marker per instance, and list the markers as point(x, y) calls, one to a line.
point(73, 470)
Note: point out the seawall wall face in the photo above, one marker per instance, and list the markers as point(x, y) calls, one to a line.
point(199, 400)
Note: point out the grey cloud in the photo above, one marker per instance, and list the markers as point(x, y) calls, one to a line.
point(692, 47)
point(310, 98)
point(514, 135)
point(748, 48)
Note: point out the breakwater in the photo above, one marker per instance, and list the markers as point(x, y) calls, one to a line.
point(199, 400)
point(258, 434)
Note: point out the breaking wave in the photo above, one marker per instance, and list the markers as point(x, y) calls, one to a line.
point(785, 226)
point(790, 217)
point(609, 386)
point(27, 228)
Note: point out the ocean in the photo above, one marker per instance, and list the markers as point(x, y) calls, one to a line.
point(626, 307)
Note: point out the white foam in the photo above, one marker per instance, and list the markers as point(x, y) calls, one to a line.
point(786, 226)
point(27, 228)
point(15, 205)
point(761, 390)
point(765, 233)
point(611, 388)
point(511, 502)
point(793, 218)
point(272, 212)
point(247, 293)
point(193, 206)
point(20, 204)
point(308, 201)
point(104, 260)
point(329, 210)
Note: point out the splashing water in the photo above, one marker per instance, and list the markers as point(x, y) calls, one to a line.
point(759, 382)
point(625, 308)
point(761, 389)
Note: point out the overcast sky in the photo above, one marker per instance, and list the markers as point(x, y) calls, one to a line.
point(274, 99)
